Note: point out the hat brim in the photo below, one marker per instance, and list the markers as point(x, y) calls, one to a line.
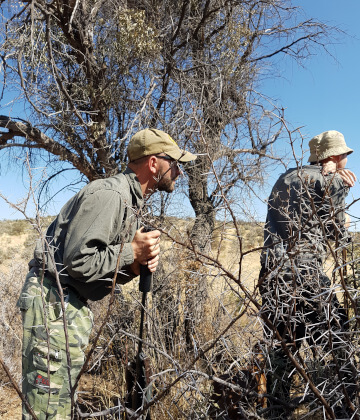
point(180, 155)
point(331, 152)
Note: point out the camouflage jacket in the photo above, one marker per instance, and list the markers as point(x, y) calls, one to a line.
point(84, 241)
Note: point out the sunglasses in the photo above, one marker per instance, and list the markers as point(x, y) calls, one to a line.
point(171, 160)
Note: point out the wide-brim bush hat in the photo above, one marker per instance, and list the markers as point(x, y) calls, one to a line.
point(151, 141)
point(329, 143)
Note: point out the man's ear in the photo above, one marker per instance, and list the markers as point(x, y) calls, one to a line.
point(153, 165)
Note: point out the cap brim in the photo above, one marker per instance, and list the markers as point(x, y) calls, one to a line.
point(180, 155)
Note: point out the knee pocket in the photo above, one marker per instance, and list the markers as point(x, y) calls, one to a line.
point(44, 402)
point(43, 390)
point(47, 358)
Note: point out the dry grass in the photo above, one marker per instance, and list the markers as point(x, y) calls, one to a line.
point(17, 241)
point(106, 383)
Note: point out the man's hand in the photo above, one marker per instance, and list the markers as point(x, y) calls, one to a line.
point(146, 248)
point(347, 176)
point(328, 167)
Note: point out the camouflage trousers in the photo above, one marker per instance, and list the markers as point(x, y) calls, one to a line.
point(46, 377)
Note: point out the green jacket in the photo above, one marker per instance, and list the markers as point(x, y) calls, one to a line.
point(304, 209)
point(92, 228)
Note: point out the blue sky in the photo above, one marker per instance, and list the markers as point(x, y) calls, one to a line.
point(325, 94)
point(322, 95)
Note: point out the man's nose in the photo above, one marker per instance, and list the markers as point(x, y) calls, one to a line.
point(179, 170)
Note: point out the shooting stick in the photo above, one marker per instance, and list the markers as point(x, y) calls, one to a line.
point(144, 287)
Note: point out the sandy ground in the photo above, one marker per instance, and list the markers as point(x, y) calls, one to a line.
point(10, 407)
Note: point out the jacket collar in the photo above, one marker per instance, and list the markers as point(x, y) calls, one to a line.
point(135, 186)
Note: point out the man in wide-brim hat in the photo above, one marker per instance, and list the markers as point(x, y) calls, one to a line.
point(306, 209)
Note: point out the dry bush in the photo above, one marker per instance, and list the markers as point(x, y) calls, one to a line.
point(226, 335)
point(225, 338)
point(14, 227)
point(175, 351)
point(10, 320)
point(17, 241)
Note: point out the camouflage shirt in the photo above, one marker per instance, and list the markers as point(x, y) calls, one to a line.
point(93, 227)
point(305, 208)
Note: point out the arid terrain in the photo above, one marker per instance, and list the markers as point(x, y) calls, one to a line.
point(17, 240)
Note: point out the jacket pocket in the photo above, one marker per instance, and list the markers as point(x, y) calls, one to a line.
point(24, 302)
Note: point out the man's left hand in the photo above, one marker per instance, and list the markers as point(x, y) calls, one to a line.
point(347, 176)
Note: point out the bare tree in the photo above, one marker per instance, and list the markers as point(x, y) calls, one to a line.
point(93, 72)
point(90, 73)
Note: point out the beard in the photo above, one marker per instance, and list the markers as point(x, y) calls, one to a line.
point(166, 184)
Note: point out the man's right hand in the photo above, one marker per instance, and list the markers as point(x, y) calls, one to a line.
point(347, 176)
point(146, 248)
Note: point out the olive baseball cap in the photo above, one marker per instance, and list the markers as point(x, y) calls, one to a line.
point(326, 144)
point(152, 142)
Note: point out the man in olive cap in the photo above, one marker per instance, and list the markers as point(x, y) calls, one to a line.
point(96, 236)
point(305, 210)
